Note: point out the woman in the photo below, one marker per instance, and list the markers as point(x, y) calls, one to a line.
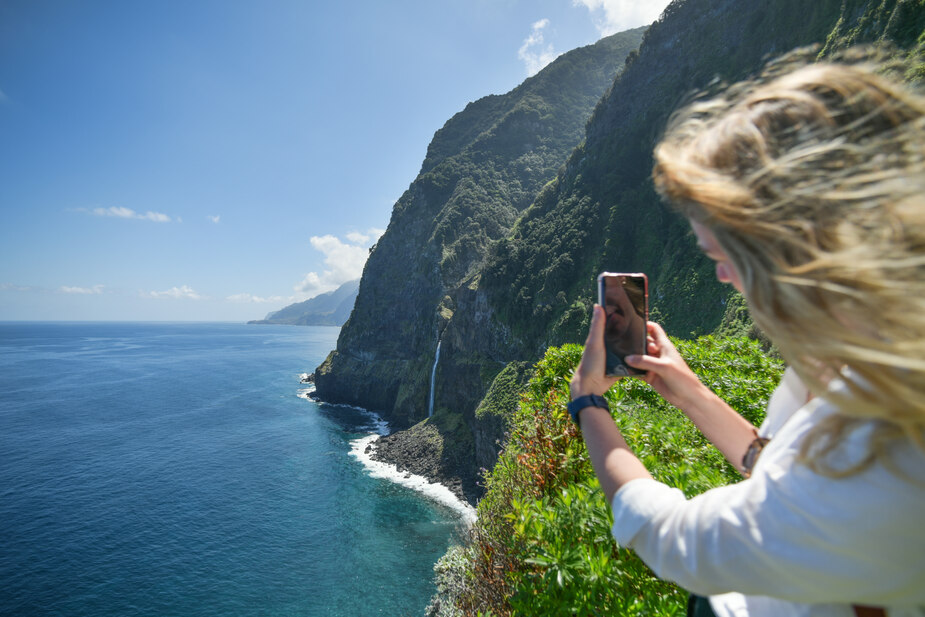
point(806, 186)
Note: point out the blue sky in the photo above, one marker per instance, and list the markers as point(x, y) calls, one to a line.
point(216, 160)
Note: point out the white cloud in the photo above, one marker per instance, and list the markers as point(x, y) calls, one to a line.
point(96, 289)
point(612, 16)
point(532, 52)
point(344, 261)
point(127, 213)
point(3, 97)
point(359, 237)
point(215, 219)
point(174, 292)
point(12, 287)
point(246, 298)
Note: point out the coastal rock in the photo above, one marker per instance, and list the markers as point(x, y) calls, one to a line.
point(422, 450)
point(420, 285)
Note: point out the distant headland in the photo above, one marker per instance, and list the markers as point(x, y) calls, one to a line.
point(328, 309)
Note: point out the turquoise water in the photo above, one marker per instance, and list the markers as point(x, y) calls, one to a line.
point(172, 469)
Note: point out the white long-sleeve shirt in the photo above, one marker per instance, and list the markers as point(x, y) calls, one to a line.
point(788, 541)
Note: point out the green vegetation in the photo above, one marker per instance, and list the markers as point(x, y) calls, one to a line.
point(542, 543)
point(522, 199)
point(502, 397)
point(482, 169)
point(898, 21)
point(601, 213)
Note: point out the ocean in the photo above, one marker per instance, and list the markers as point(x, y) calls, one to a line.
point(179, 469)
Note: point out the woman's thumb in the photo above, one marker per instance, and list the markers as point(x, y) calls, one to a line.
point(596, 331)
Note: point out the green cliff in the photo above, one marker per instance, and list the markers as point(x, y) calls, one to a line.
point(520, 202)
point(482, 170)
point(602, 213)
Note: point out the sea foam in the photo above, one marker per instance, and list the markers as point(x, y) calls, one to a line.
point(377, 469)
point(437, 492)
point(305, 393)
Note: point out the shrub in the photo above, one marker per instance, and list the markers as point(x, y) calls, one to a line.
point(542, 543)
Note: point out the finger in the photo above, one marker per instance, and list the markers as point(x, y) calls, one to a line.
point(590, 351)
point(656, 332)
point(646, 363)
point(596, 331)
point(589, 375)
point(662, 342)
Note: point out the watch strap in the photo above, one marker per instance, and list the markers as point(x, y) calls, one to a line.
point(588, 400)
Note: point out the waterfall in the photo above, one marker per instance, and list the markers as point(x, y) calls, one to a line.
point(433, 377)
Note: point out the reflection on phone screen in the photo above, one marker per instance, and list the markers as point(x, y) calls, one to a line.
point(624, 301)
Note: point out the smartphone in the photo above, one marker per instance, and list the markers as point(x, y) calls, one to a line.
point(625, 298)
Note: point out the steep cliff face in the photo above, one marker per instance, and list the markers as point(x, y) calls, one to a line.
point(494, 254)
point(602, 212)
point(482, 169)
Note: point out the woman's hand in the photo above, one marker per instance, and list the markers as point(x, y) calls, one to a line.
point(670, 376)
point(666, 370)
point(589, 377)
point(613, 461)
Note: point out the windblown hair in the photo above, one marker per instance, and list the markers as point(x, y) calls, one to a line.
point(812, 178)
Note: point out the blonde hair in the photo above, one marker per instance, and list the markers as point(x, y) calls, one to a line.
point(812, 179)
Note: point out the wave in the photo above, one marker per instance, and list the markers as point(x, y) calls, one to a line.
point(306, 393)
point(377, 469)
point(437, 492)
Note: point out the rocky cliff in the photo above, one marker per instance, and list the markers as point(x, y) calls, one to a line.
point(493, 250)
point(482, 170)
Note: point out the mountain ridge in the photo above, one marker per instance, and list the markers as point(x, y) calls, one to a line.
point(328, 309)
point(482, 169)
point(497, 263)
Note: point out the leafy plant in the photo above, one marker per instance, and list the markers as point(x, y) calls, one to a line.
point(542, 543)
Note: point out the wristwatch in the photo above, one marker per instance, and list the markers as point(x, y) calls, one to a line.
point(588, 400)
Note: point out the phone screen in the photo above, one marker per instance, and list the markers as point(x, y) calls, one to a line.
point(625, 301)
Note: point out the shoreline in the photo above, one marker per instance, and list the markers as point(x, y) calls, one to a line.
point(364, 449)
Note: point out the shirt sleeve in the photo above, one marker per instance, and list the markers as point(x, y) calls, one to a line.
point(785, 532)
